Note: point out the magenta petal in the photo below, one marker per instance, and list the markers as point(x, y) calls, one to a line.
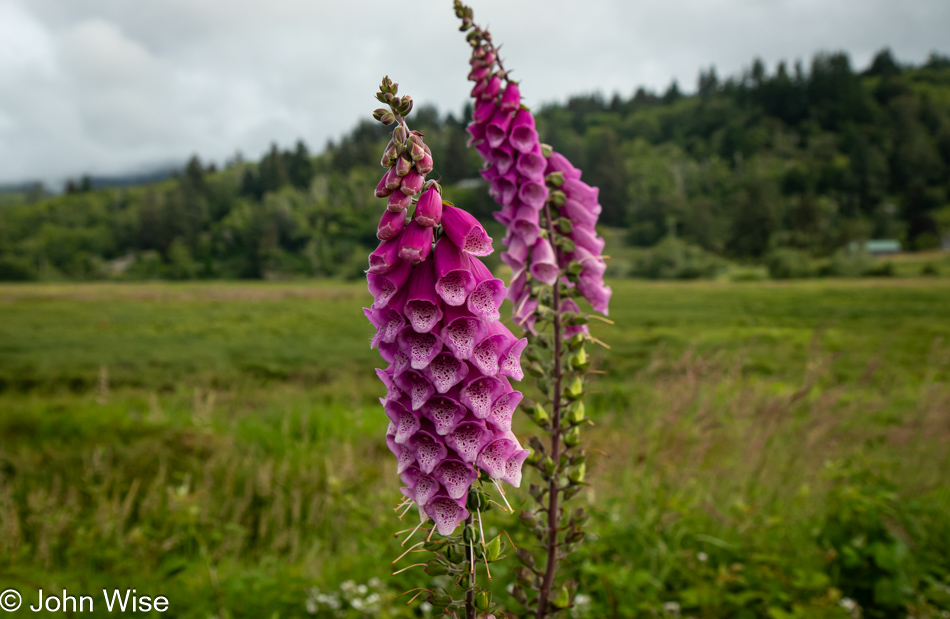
point(510, 362)
point(468, 439)
point(578, 213)
point(416, 386)
point(488, 295)
point(461, 331)
point(511, 98)
point(393, 180)
point(523, 135)
point(492, 88)
point(390, 225)
point(421, 487)
point(384, 286)
point(497, 128)
point(593, 265)
point(398, 202)
point(503, 409)
point(494, 457)
point(381, 189)
point(429, 208)
point(513, 467)
point(445, 371)
point(596, 293)
point(479, 73)
point(579, 190)
point(392, 392)
point(505, 188)
point(465, 231)
point(477, 131)
point(423, 309)
point(421, 347)
point(405, 456)
point(384, 257)
point(544, 266)
point(456, 476)
point(444, 413)
point(588, 239)
point(429, 451)
point(412, 183)
point(446, 513)
point(526, 225)
point(533, 194)
point(559, 163)
point(518, 284)
point(415, 243)
point(483, 111)
point(479, 394)
point(453, 270)
point(488, 352)
point(388, 322)
point(502, 159)
point(531, 165)
point(518, 249)
point(406, 422)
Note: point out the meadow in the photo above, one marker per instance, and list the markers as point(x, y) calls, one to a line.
point(758, 449)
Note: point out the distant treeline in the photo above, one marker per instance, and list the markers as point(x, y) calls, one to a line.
point(796, 160)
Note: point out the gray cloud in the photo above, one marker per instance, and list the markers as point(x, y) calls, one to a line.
point(111, 86)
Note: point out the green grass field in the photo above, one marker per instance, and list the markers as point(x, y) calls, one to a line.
point(759, 450)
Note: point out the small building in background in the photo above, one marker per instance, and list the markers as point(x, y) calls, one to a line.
point(877, 247)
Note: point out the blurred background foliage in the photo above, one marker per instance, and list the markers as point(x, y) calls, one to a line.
point(776, 170)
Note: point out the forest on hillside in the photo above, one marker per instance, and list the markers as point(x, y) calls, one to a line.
point(773, 166)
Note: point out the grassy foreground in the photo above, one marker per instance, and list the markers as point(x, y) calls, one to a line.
point(760, 450)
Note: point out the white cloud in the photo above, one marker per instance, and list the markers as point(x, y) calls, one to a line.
point(108, 86)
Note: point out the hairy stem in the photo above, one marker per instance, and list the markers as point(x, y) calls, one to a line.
point(553, 490)
point(470, 594)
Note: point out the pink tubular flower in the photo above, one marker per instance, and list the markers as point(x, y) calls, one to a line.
point(533, 184)
point(465, 231)
point(447, 397)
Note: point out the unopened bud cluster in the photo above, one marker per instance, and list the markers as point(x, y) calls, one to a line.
point(436, 311)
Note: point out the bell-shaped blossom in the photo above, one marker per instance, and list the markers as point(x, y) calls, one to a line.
point(488, 295)
point(435, 314)
point(422, 307)
point(447, 513)
point(453, 269)
point(465, 231)
point(523, 135)
point(544, 266)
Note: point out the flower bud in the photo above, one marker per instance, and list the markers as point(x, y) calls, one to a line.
point(415, 148)
point(412, 183)
point(398, 202)
point(429, 208)
point(390, 225)
point(425, 165)
point(405, 105)
point(415, 242)
point(403, 165)
point(389, 155)
point(393, 180)
point(381, 189)
point(384, 116)
point(492, 88)
point(400, 135)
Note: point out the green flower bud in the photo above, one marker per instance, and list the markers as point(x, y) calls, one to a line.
point(577, 475)
point(493, 549)
point(483, 600)
point(580, 360)
point(577, 413)
point(555, 179)
point(435, 568)
point(565, 226)
point(563, 599)
point(547, 150)
point(572, 438)
point(541, 416)
point(575, 390)
point(440, 598)
point(557, 197)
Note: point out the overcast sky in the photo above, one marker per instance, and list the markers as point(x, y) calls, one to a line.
point(117, 86)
